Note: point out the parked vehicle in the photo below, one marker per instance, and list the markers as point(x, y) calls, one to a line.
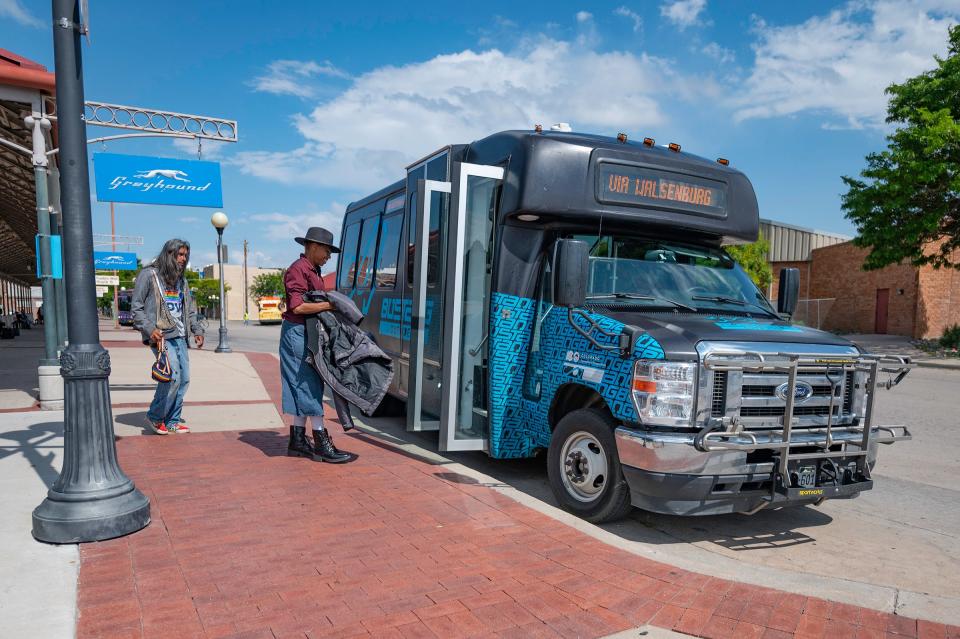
point(569, 294)
point(124, 314)
point(269, 310)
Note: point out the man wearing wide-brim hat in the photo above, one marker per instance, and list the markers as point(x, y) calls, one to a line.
point(302, 387)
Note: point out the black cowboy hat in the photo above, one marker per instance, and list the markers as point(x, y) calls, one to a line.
point(318, 235)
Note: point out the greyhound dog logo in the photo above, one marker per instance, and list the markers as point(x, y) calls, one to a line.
point(173, 174)
point(114, 258)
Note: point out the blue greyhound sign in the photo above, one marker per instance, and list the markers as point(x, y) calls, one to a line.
point(111, 261)
point(152, 180)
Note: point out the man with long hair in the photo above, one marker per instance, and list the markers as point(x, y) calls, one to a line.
point(161, 295)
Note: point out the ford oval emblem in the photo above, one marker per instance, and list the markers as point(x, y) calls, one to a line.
point(802, 391)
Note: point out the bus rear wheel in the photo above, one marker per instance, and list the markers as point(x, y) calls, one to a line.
point(584, 469)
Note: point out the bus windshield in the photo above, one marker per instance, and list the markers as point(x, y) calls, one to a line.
point(123, 302)
point(663, 273)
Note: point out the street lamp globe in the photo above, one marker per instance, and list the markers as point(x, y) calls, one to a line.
point(219, 220)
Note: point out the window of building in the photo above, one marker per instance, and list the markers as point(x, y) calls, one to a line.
point(367, 251)
point(386, 274)
point(347, 268)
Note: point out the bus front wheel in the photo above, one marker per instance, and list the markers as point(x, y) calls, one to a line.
point(584, 469)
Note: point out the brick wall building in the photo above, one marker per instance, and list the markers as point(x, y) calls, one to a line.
point(918, 302)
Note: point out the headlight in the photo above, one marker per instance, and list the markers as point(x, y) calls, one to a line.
point(664, 393)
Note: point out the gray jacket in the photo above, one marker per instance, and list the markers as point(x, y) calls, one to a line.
point(143, 306)
point(347, 358)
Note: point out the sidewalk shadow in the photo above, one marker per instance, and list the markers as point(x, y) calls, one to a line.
point(137, 420)
point(767, 529)
point(269, 442)
point(28, 442)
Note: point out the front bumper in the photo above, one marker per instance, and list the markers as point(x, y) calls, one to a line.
point(668, 474)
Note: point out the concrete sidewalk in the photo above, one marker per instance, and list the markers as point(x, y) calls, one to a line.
point(248, 542)
point(900, 345)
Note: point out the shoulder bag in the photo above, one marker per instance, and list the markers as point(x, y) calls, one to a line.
point(165, 320)
point(161, 370)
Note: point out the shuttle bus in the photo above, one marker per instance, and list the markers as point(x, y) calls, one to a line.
point(569, 295)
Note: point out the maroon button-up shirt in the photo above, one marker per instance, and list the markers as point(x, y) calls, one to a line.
point(301, 277)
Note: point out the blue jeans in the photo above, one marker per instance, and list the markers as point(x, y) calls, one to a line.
point(167, 401)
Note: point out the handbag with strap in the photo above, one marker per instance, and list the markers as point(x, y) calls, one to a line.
point(161, 370)
point(165, 320)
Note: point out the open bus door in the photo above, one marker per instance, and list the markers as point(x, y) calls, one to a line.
point(462, 419)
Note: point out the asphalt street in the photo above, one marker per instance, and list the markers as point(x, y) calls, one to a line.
point(902, 534)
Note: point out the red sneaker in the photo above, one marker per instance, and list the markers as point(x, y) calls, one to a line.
point(159, 428)
point(180, 428)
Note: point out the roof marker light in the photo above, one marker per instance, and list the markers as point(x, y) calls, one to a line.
point(649, 141)
point(723, 161)
point(673, 146)
point(622, 138)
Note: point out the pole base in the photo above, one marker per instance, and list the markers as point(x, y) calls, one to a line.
point(51, 386)
point(72, 522)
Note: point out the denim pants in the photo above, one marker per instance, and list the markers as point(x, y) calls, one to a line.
point(301, 386)
point(167, 401)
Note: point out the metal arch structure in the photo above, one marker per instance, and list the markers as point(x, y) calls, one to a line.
point(162, 122)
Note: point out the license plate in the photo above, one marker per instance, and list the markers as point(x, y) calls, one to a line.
point(807, 476)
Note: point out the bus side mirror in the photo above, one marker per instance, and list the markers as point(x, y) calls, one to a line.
point(788, 293)
point(571, 263)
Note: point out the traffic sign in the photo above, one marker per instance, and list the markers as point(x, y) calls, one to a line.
point(101, 290)
point(108, 280)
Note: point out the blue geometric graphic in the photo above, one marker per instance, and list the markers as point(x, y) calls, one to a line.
point(519, 420)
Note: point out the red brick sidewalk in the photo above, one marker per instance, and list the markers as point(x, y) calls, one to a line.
point(247, 542)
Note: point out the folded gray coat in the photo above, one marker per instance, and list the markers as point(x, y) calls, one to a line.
point(347, 358)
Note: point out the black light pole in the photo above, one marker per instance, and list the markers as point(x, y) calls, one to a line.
point(92, 499)
point(219, 221)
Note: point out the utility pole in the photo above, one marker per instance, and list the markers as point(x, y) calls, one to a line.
point(92, 499)
point(246, 294)
point(113, 246)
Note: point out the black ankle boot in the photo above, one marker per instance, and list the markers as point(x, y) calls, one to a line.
point(299, 445)
point(324, 450)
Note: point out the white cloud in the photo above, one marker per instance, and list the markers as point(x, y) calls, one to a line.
point(290, 77)
point(13, 9)
point(718, 53)
point(683, 13)
point(286, 226)
point(190, 220)
point(584, 16)
point(362, 139)
point(634, 16)
point(840, 64)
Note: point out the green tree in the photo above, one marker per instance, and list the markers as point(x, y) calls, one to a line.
point(267, 285)
point(907, 204)
point(753, 258)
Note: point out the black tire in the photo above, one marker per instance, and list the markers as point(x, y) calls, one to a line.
point(589, 430)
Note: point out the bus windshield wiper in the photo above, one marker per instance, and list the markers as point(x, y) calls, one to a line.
point(651, 298)
point(729, 300)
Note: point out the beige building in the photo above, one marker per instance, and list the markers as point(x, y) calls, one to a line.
point(233, 277)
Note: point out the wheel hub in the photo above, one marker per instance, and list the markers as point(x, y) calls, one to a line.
point(584, 466)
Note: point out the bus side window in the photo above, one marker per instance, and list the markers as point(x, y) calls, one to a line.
point(347, 268)
point(366, 252)
point(533, 375)
point(411, 237)
point(386, 274)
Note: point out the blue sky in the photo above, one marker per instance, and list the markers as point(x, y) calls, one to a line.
point(333, 101)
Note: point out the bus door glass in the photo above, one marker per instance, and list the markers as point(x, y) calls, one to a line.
point(423, 381)
point(466, 309)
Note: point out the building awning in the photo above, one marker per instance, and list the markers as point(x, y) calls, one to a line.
point(18, 205)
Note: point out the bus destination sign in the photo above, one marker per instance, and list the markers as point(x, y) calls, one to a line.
point(641, 186)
